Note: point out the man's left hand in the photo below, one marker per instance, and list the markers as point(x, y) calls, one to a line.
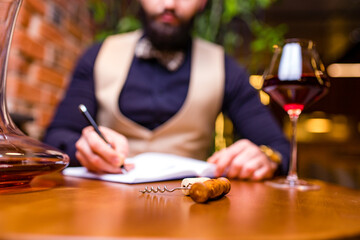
point(243, 160)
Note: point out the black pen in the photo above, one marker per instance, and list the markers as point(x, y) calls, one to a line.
point(92, 122)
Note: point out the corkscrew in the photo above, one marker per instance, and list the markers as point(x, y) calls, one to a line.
point(199, 189)
point(162, 190)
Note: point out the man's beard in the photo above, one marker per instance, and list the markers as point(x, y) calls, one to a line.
point(164, 36)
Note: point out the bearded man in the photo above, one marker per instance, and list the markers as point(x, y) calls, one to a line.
point(160, 90)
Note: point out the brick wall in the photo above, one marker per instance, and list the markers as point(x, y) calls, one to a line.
point(48, 39)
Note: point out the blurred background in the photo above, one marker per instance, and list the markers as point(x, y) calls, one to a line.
point(50, 35)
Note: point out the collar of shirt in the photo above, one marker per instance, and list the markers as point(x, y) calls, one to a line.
point(171, 60)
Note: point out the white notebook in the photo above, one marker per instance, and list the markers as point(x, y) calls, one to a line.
point(152, 167)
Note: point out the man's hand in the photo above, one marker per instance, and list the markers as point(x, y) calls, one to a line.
point(243, 160)
point(96, 155)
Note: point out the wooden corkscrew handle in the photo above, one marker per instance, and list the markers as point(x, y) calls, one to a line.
point(201, 192)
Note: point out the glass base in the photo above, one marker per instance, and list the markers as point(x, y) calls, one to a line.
point(298, 184)
point(36, 185)
point(20, 173)
point(22, 158)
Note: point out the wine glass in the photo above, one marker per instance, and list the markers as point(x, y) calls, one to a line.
point(295, 79)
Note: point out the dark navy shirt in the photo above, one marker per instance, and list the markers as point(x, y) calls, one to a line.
point(152, 94)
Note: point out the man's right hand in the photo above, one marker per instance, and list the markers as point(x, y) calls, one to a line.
point(96, 155)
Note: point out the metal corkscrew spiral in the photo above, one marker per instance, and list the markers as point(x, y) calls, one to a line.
point(162, 190)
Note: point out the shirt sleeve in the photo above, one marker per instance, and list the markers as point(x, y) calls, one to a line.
point(252, 120)
point(67, 124)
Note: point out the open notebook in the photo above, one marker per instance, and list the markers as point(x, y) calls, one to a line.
point(152, 167)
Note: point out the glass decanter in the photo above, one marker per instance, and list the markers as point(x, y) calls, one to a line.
point(21, 157)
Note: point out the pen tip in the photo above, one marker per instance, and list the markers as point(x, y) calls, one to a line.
point(82, 108)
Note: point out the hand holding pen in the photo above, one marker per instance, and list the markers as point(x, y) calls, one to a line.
point(96, 152)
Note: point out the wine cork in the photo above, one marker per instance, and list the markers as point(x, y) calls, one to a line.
point(201, 192)
point(188, 182)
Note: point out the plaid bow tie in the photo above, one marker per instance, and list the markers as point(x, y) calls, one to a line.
point(171, 60)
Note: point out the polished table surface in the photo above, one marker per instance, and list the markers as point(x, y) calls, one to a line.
point(58, 207)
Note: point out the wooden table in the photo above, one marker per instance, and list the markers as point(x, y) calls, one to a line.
point(60, 207)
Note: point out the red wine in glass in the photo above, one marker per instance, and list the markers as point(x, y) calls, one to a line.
point(295, 94)
point(294, 80)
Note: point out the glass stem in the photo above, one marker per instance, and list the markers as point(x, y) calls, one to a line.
point(292, 176)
